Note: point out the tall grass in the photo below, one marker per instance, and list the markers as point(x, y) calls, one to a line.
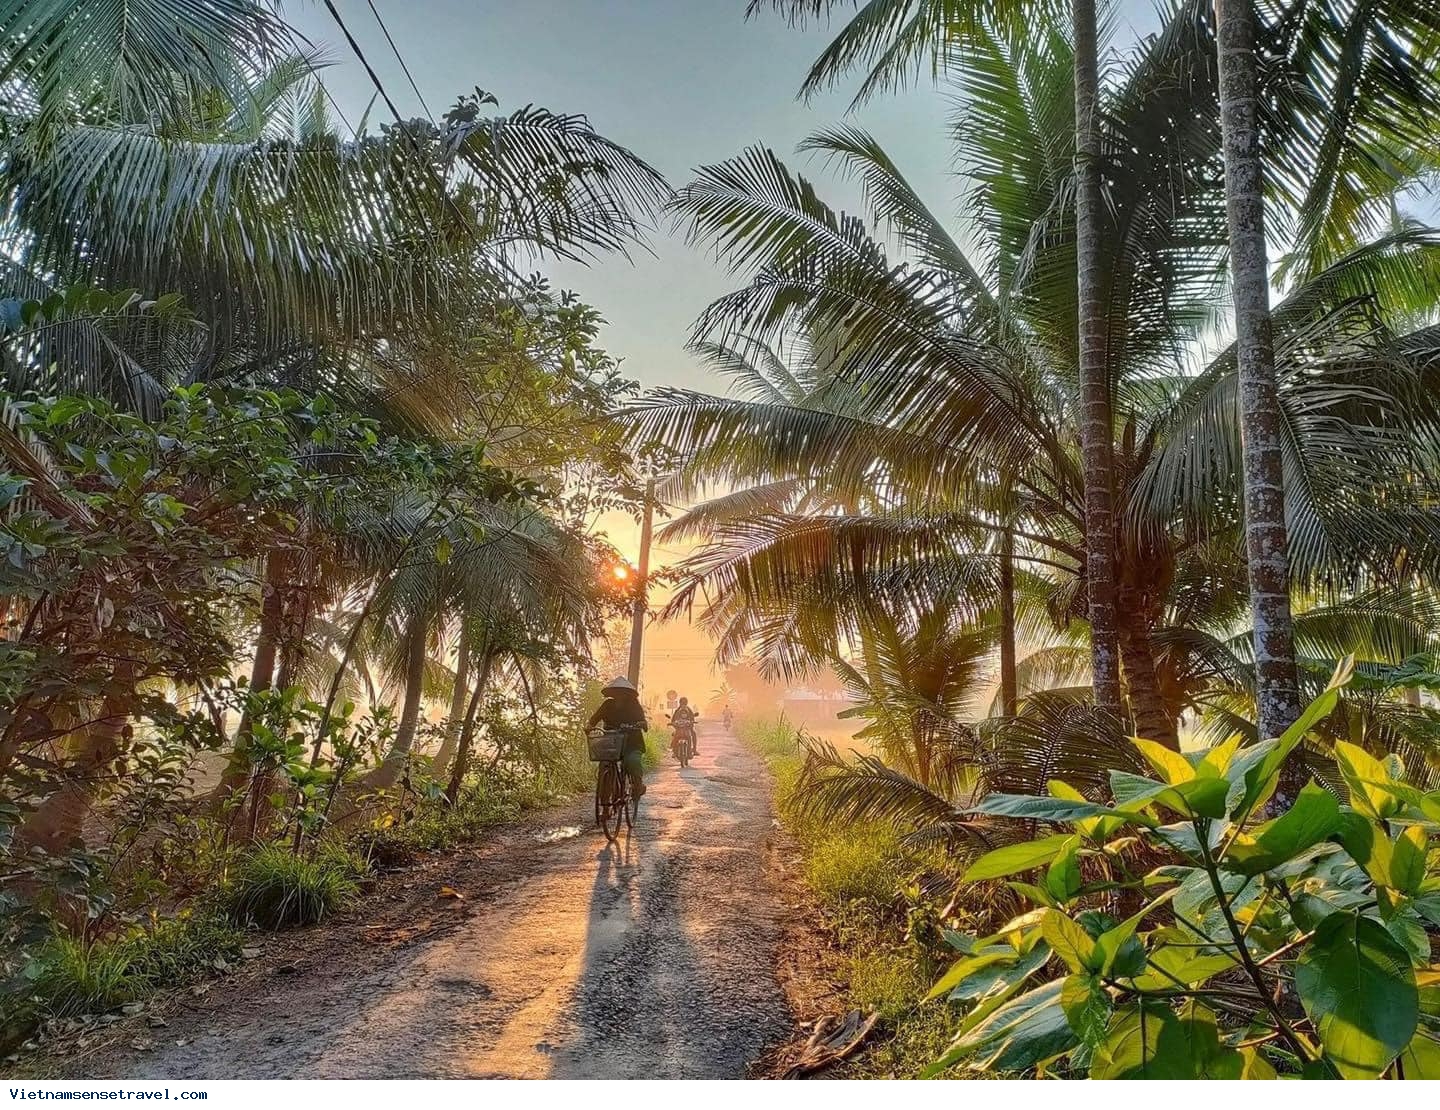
point(274, 888)
point(860, 874)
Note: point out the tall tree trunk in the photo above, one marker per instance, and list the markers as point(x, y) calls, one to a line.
point(417, 655)
point(457, 706)
point(1266, 538)
point(1096, 426)
point(1147, 706)
point(1009, 683)
point(467, 731)
point(262, 671)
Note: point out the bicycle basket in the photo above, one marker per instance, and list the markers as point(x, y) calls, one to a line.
point(606, 747)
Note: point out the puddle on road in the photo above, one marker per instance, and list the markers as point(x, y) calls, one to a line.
point(564, 832)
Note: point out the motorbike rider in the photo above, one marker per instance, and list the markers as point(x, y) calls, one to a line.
point(621, 711)
point(683, 720)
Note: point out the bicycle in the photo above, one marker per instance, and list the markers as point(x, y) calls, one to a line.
point(614, 803)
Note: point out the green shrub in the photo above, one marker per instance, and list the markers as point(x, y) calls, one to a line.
point(274, 889)
point(75, 976)
point(1262, 934)
point(179, 949)
point(438, 826)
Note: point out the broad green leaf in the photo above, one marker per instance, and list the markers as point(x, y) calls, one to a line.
point(1096, 828)
point(1152, 1041)
point(1171, 766)
point(1421, 1058)
point(1197, 797)
point(1255, 1066)
point(1016, 1036)
point(1409, 932)
point(1216, 761)
point(1062, 880)
point(1016, 925)
point(1358, 989)
point(1134, 790)
point(1168, 968)
point(1314, 817)
point(1003, 976)
point(1057, 810)
point(1259, 774)
point(1087, 1007)
point(1015, 858)
point(1032, 893)
point(1407, 860)
point(1359, 769)
point(1069, 941)
point(1110, 942)
point(961, 970)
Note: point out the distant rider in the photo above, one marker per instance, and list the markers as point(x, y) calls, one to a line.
point(621, 711)
point(684, 718)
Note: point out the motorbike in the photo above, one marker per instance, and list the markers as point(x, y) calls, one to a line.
point(682, 741)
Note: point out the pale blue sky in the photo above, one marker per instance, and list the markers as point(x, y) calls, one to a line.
point(682, 83)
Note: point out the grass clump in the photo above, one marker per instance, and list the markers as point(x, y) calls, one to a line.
point(855, 865)
point(864, 879)
point(273, 888)
point(72, 975)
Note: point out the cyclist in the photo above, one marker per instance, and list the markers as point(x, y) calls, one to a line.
point(621, 711)
point(683, 719)
point(729, 718)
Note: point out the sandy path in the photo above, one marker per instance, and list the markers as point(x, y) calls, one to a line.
point(568, 959)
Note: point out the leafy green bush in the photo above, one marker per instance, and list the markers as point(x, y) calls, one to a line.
point(1251, 944)
point(72, 975)
point(437, 826)
point(274, 888)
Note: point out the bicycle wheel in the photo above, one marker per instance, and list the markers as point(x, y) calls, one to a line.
point(610, 799)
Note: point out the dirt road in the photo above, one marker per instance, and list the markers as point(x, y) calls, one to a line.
point(565, 959)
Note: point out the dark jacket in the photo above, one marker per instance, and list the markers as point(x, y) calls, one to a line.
point(615, 712)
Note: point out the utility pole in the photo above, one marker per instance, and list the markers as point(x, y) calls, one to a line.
point(642, 583)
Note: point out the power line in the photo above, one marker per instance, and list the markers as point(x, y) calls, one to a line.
point(396, 51)
point(364, 61)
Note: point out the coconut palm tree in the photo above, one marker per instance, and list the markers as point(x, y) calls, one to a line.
point(895, 37)
point(936, 389)
point(1370, 97)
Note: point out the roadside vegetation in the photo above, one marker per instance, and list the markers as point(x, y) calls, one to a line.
point(1108, 499)
point(1084, 493)
point(298, 480)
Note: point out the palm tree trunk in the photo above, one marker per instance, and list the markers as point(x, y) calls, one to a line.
point(1152, 718)
point(467, 731)
point(1266, 538)
point(1009, 683)
point(1096, 429)
point(457, 706)
point(418, 655)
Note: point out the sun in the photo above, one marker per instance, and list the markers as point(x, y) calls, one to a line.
point(621, 572)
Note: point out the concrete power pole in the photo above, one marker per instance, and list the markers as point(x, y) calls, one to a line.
point(642, 584)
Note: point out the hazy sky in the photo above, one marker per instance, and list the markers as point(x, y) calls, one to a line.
point(682, 83)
